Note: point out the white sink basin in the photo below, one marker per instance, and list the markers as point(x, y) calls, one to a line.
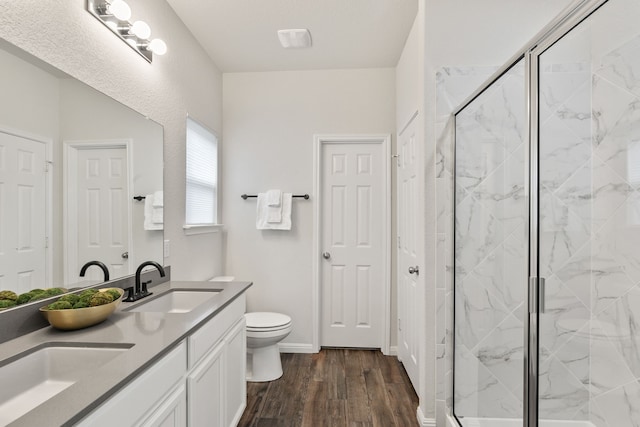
point(176, 301)
point(35, 377)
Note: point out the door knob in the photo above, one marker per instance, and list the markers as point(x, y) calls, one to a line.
point(414, 270)
point(326, 255)
point(125, 255)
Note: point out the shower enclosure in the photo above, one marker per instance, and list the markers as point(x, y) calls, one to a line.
point(547, 231)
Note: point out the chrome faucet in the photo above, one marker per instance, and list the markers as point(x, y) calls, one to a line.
point(140, 290)
point(104, 268)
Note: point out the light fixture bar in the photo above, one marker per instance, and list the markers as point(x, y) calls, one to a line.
point(112, 14)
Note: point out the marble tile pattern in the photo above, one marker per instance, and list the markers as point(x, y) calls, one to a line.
point(454, 85)
point(589, 234)
point(589, 240)
point(490, 252)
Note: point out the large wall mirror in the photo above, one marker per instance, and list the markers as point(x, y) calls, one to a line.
point(72, 161)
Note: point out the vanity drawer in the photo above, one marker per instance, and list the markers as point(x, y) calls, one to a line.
point(203, 340)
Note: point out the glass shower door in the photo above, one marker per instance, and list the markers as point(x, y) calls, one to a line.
point(589, 221)
point(490, 254)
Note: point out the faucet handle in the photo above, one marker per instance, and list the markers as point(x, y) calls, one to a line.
point(144, 291)
point(131, 296)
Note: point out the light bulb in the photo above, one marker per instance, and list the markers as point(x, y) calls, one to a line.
point(119, 9)
point(141, 30)
point(158, 47)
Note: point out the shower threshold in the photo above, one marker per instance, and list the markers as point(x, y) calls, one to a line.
point(506, 422)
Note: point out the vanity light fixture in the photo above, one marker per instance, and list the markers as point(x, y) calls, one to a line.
point(115, 15)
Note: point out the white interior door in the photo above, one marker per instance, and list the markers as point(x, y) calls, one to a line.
point(98, 218)
point(408, 250)
point(353, 214)
point(22, 213)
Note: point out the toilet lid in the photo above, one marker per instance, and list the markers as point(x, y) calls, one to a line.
point(260, 320)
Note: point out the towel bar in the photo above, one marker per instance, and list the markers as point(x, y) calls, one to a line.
point(300, 196)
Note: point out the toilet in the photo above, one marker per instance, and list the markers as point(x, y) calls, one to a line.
point(264, 331)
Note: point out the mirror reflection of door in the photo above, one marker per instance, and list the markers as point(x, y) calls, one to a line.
point(98, 217)
point(23, 213)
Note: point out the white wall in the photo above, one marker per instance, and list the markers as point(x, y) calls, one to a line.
point(183, 81)
point(269, 122)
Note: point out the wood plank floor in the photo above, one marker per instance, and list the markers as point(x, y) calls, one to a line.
point(334, 388)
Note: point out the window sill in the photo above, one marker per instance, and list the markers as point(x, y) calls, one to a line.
point(192, 229)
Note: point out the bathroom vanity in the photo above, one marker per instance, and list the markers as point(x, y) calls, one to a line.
point(176, 358)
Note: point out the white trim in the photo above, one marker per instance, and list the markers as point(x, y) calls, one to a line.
point(413, 116)
point(393, 351)
point(70, 150)
point(48, 183)
point(385, 140)
point(193, 229)
point(451, 422)
point(424, 421)
point(295, 348)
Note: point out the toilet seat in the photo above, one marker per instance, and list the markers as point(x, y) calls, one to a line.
point(267, 321)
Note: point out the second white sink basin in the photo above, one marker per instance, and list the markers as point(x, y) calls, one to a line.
point(36, 376)
point(176, 301)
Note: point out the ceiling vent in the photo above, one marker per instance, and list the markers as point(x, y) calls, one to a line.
point(290, 39)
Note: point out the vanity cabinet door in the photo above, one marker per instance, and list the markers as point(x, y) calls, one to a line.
point(235, 370)
point(139, 400)
point(172, 412)
point(205, 389)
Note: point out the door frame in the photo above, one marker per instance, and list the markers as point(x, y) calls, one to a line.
point(316, 300)
point(70, 200)
point(48, 225)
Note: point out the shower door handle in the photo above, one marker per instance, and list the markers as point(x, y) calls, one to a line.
point(536, 295)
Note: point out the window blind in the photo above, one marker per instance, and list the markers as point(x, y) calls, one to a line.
point(201, 175)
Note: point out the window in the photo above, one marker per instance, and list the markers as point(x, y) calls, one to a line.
point(202, 176)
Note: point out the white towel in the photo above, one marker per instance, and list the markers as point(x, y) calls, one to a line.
point(153, 219)
point(274, 197)
point(158, 199)
point(262, 213)
point(274, 206)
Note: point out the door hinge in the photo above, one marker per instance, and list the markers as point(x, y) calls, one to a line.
point(47, 163)
point(399, 324)
point(399, 246)
point(46, 242)
point(397, 157)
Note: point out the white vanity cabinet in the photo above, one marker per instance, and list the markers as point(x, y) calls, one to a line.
point(139, 401)
point(200, 383)
point(216, 385)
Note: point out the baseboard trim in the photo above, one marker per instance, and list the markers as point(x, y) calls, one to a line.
point(393, 350)
point(295, 348)
point(451, 421)
point(424, 421)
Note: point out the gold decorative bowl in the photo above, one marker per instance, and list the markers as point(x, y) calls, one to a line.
point(78, 318)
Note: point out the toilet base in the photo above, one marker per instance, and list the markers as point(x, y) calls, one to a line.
point(263, 364)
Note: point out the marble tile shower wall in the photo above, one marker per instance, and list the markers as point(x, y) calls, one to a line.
point(565, 249)
point(613, 221)
point(453, 86)
point(590, 255)
point(490, 250)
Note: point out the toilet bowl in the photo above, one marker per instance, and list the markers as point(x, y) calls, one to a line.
point(264, 331)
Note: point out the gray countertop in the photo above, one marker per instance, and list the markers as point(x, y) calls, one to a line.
point(152, 336)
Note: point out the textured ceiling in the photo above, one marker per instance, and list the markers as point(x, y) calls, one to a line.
point(241, 35)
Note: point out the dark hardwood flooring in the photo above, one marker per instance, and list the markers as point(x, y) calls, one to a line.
point(334, 388)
